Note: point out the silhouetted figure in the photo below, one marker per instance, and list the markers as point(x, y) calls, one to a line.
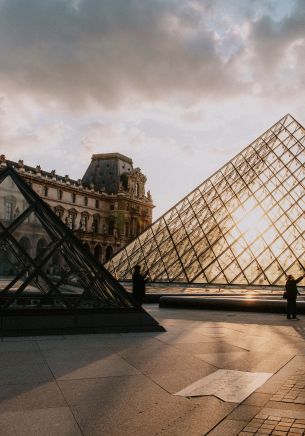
point(138, 284)
point(292, 292)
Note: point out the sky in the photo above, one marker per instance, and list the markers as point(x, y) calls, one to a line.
point(179, 86)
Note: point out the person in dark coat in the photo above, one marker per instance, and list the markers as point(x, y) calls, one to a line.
point(292, 292)
point(138, 284)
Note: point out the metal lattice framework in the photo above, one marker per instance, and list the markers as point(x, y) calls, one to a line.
point(42, 264)
point(244, 225)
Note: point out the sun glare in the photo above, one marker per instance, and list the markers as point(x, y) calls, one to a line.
point(251, 221)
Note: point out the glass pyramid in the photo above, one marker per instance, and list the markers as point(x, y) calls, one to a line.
point(44, 268)
point(244, 225)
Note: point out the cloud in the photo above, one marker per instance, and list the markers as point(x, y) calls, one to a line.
point(180, 87)
point(274, 58)
point(80, 52)
point(104, 51)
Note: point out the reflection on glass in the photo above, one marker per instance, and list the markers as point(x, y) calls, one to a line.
point(12, 202)
point(42, 265)
point(245, 225)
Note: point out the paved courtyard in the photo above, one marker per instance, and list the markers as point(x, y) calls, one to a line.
point(216, 373)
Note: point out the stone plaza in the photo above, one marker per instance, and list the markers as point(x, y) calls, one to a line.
point(127, 384)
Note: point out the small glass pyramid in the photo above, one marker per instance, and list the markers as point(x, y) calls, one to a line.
point(45, 269)
point(245, 225)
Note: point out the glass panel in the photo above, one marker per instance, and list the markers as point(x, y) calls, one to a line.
point(42, 265)
point(193, 270)
point(32, 236)
point(246, 223)
point(11, 265)
point(12, 202)
point(34, 291)
point(188, 258)
point(157, 272)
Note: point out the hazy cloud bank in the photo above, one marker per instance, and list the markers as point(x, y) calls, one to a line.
point(102, 51)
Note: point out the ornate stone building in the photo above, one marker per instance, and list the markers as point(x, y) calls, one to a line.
point(107, 208)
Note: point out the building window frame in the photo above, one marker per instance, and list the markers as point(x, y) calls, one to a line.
point(9, 207)
point(95, 224)
point(59, 211)
point(71, 219)
point(59, 194)
point(111, 226)
point(84, 222)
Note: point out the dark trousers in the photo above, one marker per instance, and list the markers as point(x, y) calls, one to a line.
point(138, 296)
point(291, 308)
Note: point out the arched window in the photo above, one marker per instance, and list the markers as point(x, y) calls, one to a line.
point(56, 262)
point(25, 243)
point(86, 245)
point(126, 230)
point(9, 205)
point(98, 252)
point(41, 246)
point(59, 211)
point(111, 226)
point(109, 252)
point(95, 224)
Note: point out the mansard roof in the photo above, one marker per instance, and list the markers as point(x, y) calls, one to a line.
point(46, 270)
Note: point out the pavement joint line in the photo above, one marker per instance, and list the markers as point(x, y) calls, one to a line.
point(281, 424)
point(146, 375)
point(64, 397)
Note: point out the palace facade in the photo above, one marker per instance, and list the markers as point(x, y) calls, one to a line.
point(106, 209)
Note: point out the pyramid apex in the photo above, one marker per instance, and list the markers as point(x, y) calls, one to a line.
point(237, 227)
point(46, 270)
point(289, 116)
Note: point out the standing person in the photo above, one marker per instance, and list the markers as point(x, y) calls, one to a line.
point(292, 292)
point(138, 284)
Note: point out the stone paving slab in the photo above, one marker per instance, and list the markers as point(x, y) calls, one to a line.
point(39, 422)
point(95, 420)
point(14, 358)
point(257, 399)
point(247, 361)
point(113, 391)
point(245, 342)
point(106, 367)
point(174, 379)
point(32, 338)
point(228, 385)
point(228, 427)
point(187, 337)
point(217, 346)
point(75, 344)
point(20, 345)
point(30, 373)
point(287, 370)
point(123, 384)
point(29, 396)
